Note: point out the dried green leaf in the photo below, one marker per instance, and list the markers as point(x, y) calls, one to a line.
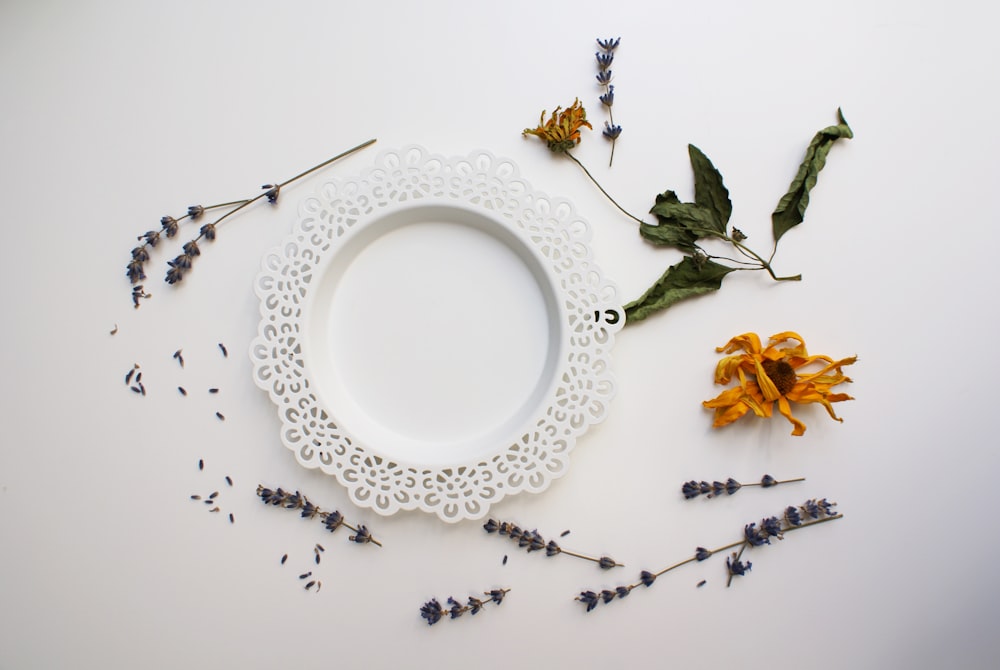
point(709, 190)
point(698, 220)
point(686, 279)
point(791, 208)
point(669, 232)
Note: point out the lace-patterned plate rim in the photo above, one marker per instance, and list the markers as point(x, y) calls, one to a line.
point(362, 365)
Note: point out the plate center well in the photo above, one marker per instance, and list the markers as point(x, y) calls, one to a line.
point(438, 334)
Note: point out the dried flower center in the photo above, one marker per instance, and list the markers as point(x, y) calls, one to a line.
point(781, 373)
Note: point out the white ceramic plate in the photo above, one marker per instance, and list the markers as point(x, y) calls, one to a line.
point(435, 334)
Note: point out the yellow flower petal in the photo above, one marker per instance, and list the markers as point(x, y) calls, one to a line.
point(748, 342)
point(786, 411)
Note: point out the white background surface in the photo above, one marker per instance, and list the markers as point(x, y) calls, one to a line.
point(116, 113)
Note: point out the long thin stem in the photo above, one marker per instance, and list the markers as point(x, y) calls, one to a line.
point(245, 203)
point(606, 194)
point(777, 481)
point(587, 558)
point(764, 264)
point(226, 204)
point(756, 265)
point(739, 543)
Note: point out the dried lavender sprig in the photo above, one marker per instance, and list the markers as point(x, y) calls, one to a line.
point(432, 611)
point(531, 540)
point(183, 262)
point(693, 489)
point(331, 520)
point(819, 511)
point(151, 238)
point(604, 59)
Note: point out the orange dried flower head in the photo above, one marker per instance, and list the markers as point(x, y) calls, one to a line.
point(775, 375)
point(561, 132)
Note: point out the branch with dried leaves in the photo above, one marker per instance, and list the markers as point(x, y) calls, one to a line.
point(683, 225)
point(686, 225)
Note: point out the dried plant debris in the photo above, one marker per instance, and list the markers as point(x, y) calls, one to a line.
point(114, 331)
point(308, 510)
point(810, 513)
point(531, 540)
point(213, 497)
point(139, 294)
point(693, 489)
point(432, 611)
point(133, 379)
point(309, 574)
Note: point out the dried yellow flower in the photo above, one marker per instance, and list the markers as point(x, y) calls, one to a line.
point(775, 375)
point(561, 132)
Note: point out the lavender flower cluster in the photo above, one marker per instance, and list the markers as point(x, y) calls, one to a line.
point(308, 510)
point(693, 489)
point(432, 611)
point(604, 58)
point(531, 540)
